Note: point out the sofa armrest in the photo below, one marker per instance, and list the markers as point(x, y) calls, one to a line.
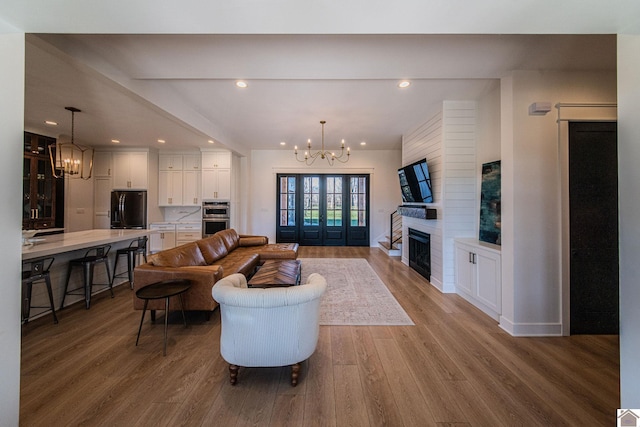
point(198, 297)
point(246, 240)
point(146, 274)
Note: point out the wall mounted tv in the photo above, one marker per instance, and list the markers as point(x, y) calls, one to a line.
point(415, 183)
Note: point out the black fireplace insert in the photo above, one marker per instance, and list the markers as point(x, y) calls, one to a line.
point(420, 252)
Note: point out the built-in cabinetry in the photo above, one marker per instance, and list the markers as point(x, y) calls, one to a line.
point(102, 164)
point(163, 236)
point(167, 235)
point(130, 170)
point(179, 180)
point(216, 175)
point(102, 185)
point(478, 275)
point(188, 232)
point(38, 183)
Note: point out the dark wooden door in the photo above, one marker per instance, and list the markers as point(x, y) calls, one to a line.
point(593, 204)
point(323, 209)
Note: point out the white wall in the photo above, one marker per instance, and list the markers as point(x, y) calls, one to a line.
point(628, 182)
point(531, 216)
point(11, 137)
point(265, 164)
point(488, 129)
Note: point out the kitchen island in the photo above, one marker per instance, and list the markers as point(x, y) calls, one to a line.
point(68, 246)
point(66, 242)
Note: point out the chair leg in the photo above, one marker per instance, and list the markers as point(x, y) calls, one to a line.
point(47, 281)
point(295, 372)
point(131, 260)
point(109, 276)
point(233, 374)
point(26, 303)
point(115, 269)
point(87, 269)
point(66, 286)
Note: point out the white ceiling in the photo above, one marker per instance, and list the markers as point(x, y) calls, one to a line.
point(179, 86)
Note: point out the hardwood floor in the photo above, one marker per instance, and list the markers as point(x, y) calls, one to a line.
point(454, 367)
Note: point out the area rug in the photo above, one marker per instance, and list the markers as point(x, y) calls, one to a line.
point(355, 294)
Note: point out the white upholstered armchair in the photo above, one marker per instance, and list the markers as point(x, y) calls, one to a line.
point(268, 327)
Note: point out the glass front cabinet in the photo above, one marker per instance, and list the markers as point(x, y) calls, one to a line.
point(38, 184)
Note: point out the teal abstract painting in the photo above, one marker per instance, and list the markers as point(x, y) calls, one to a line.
point(490, 203)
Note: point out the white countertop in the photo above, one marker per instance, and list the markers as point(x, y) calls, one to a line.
point(66, 242)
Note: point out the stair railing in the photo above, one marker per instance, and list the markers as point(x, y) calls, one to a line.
point(395, 227)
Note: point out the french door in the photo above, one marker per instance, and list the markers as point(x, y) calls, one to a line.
point(323, 209)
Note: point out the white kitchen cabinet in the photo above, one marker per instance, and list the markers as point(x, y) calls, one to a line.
point(216, 175)
point(179, 180)
point(479, 275)
point(170, 188)
point(191, 162)
point(170, 162)
point(102, 164)
point(163, 236)
point(130, 170)
point(216, 184)
point(191, 188)
point(188, 232)
point(216, 160)
point(102, 203)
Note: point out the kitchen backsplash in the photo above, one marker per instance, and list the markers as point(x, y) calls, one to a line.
point(183, 214)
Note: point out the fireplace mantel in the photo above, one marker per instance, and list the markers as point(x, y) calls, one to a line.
point(420, 212)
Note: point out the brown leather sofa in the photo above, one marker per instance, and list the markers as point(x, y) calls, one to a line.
point(204, 262)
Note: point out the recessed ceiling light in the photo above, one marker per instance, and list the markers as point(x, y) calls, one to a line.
point(363, 143)
point(241, 84)
point(115, 141)
point(404, 84)
point(283, 143)
point(161, 141)
point(51, 122)
point(210, 141)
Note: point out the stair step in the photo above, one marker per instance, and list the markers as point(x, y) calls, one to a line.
point(391, 251)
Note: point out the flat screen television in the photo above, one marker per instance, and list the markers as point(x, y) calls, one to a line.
point(415, 183)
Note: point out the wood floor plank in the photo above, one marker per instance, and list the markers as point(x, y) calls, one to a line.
point(351, 409)
point(380, 403)
point(288, 410)
point(458, 365)
point(419, 355)
point(320, 398)
point(342, 349)
point(413, 408)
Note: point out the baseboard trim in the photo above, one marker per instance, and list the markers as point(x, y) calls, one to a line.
point(531, 329)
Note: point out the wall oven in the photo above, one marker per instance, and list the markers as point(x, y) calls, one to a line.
point(215, 209)
point(210, 226)
point(215, 216)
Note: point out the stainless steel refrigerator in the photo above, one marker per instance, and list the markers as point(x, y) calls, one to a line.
point(129, 209)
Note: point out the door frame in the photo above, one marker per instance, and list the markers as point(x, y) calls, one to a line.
point(567, 112)
point(352, 235)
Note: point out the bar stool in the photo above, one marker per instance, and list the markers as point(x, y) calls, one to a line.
point(136, 247)
point(36, 271)
point(93, 256)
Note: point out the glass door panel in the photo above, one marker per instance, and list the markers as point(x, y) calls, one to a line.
point(287, 227)
point(334, 227)
point(358, 230)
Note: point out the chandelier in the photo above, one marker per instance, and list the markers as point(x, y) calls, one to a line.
point(70, 158)
point(330, 156)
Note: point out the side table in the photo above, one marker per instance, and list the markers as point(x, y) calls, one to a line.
point(165, 289)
